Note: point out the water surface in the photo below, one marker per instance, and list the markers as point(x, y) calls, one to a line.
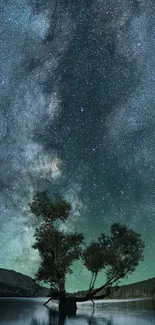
point(33, 312)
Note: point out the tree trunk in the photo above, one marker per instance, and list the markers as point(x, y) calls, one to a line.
point(67, 306)
point(62, 285)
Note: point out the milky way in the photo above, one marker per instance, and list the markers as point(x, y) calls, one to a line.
point(77, 116)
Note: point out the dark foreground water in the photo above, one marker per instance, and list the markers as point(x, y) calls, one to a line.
point(32, 312)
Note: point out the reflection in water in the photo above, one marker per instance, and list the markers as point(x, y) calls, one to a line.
point(33, 312)
point(56, 319)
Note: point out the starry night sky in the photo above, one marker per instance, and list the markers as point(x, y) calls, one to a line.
point(77, 117)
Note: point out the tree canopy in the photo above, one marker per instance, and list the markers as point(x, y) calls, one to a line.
point(58, 250)
point(117, 254)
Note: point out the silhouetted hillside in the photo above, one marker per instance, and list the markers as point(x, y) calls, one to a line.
point(14, 284)
point(136, 290)
point(143, 289)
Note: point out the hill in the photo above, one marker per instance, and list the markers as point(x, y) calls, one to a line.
point(142, 289)
point(14, 284)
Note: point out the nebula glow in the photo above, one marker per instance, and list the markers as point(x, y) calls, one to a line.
point(77, 89)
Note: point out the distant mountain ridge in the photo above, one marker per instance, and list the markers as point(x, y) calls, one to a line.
point(14, 278)
point(13, 283)
point(142, 289)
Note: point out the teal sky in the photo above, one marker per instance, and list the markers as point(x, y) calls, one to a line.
point(77, 118)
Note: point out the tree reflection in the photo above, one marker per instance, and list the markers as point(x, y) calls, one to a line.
point(54, 318)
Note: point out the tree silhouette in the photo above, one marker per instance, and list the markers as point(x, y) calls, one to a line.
point(118, 254)
point(58, 250)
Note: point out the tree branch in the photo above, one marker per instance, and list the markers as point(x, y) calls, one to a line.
point(109, 282)
point(47, 301)
point(91, 281)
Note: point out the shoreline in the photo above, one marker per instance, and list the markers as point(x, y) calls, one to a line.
point(79, 303)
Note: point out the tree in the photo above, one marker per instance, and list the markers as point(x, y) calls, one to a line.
point(58, 250)
point(117, 255)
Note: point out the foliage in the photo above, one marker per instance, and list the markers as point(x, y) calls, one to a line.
point(126, 251)
point(118, 254)
point(95, 255)
point(49, 211)
point(58, 250)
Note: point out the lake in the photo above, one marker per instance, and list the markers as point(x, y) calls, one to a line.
point(15, 311)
